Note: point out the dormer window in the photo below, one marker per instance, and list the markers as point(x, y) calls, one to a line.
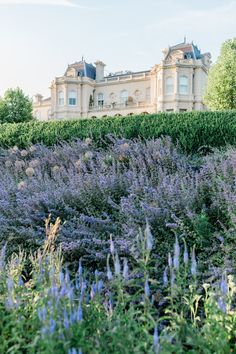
point(183, 85)
point(72, 98)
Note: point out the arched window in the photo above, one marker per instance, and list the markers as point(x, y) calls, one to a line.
point(183, 85)
point(100, 99)
point(61, 98)
point(124, 96)
point(112, 97)
point(137, 95)
point(169, 85)
point(72, 98)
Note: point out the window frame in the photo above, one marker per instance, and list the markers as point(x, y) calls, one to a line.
point(169, 92)
point(124, 99)
point(100, 99)
point(61, 98)
point(184, 91)
point(72, 101)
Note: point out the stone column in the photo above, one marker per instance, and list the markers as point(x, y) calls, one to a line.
point(176, 90)
point(81, 100)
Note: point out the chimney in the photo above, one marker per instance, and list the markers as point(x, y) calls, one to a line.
point(38, 98)
point(100, 70)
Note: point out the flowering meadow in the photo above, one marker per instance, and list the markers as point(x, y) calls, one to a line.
point(137, 255)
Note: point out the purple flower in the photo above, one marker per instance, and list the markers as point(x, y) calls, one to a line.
point(193, 263)
point(65, 320)
point(42, 313)
point(224, 286)
point(79, 314)
point(112, 246)
point(52, 325)
point(100, 285)
point(149, 237)
point(185, 254)
point(155, 339)
point(117, 265)
point(80, 269)
point(169, 260)
point(125, 269)
point(165, 277)
point(222, 305)
point(147, 288)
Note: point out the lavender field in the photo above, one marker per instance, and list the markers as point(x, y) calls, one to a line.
point(152, 231)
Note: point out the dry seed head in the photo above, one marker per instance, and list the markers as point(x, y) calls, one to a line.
point(30, 172)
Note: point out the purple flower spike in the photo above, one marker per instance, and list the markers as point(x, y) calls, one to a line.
point(165, 277)
point(155, 338)
point(125, 269)
point(149, 237)
point(147, 288)
point(222, 305)
point(186, 258)
point(224, 286)
point(117, 265)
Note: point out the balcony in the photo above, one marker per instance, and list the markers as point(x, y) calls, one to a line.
point(119, 106)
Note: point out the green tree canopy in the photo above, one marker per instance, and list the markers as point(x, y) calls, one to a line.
point(15, 107)
point(221, 88)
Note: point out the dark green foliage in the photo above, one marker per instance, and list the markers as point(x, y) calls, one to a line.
point(195, 131)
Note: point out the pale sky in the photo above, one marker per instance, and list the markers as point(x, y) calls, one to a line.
point(39, 38)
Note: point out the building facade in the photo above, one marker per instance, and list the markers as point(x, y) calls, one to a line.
point(176, 84)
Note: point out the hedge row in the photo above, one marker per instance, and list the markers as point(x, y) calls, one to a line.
point(193, 130)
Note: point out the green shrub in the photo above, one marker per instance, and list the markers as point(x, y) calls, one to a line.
point(194, 130)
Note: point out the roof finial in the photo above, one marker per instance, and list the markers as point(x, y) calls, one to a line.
point(184, 39)
point(82, 58)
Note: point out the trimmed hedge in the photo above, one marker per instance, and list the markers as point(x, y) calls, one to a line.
point(193, 130)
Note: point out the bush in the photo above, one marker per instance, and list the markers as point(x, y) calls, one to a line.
point(127, 310)
point(99, 192)
point(193, 131)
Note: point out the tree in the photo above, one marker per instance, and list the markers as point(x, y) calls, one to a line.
point(15, 107)
point(221, 88)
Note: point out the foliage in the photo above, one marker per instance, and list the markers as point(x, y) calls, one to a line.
point(194, 131)
point(99, 192)
point(15, 107)
point(221, 89)
point(128, 311)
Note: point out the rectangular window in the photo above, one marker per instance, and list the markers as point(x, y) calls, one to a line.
point(61, 101)
point(72, 101)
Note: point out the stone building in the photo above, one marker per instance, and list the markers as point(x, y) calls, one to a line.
point(176, 84)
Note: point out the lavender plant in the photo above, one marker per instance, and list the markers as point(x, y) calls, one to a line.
point(54, 311)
